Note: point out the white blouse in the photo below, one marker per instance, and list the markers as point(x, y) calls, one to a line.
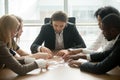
point(101, 44)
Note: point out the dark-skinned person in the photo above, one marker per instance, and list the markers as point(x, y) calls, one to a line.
point(102, 62)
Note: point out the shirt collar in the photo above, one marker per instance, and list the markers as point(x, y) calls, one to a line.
point(60, 33)
point(114, 40)
point(117, 37)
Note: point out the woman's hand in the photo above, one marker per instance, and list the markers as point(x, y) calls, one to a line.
point(42, 55)
point(41, 63)
point(45, 55)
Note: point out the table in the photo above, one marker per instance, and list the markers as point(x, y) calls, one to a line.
point(60, 71)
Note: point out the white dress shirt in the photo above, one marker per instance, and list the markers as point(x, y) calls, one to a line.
point(59, 44)
point(106, 46)
point(98, 45)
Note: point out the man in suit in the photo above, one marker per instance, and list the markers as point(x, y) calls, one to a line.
point(106, 60)
point(58, 35)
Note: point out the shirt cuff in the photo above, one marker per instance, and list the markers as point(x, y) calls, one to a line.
point(28, 60)
point(86, 51)
point(41, 63)
point(38, 49)
point(88, 57)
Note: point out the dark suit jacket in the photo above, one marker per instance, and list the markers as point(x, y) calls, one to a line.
point(107, 60)
point(71, 38)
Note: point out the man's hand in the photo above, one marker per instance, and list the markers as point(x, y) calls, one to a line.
point(62, 53)
point(75, 57)
point(74, 63)
point(45, 50)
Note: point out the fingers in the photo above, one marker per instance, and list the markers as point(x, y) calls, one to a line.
point(50, 56)
point(74, 64)
point(46, 50)
point(43, 55)
point(60, 53)
point(66, 57)
point(70, 60)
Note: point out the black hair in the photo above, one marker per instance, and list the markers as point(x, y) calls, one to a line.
point(108, 10)
point(97, 12)
point(111, 21)
point(104, 11)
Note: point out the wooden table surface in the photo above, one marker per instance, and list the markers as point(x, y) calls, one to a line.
point(60, 71)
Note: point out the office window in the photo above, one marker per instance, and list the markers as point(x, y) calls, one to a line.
point(35, 10)
point(84, 10)
point(2, 9)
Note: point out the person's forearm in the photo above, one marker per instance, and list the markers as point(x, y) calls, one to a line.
point(22, 53)
point(78, 56)
point(74, 51)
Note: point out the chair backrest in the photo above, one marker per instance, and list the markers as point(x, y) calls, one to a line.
point(70, 19)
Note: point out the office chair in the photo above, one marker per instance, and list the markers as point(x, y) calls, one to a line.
point(70, 19)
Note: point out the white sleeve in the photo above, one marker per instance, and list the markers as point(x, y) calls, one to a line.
point(41, 63)
point(28, 60)
point(96, 45)
point(87, 51)
point(38, 49)
point(88, 57)
point(108, 45)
